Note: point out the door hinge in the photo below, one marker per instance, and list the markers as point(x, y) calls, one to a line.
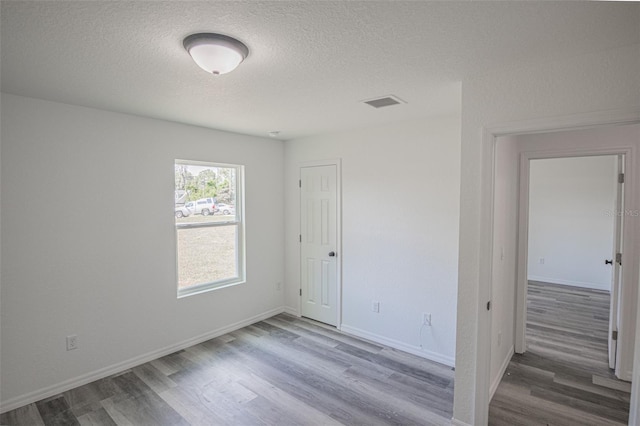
point(300, 183)
point(619, 258)
point(621, 178)
point(614, 335)
point(489, 305)
point(300, 237)
point(300, 292)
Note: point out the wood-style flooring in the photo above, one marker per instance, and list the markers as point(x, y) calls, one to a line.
point(281, 371)
point(563, 378)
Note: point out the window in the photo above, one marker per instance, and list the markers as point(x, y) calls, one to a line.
point(209, 226)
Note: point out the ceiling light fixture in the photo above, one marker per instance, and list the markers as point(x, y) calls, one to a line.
point(215, 53)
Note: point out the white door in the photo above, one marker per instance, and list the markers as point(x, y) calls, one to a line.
point(616, 263)
point(318, 243)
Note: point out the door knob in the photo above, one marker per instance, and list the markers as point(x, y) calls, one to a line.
point(332, 254)
point(608, 262)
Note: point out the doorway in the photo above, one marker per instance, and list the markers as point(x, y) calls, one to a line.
point(578, 217)
point(320, 242)
point(574, 238)
point(512, 262)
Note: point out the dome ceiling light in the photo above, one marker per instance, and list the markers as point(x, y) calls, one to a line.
point(215, 53)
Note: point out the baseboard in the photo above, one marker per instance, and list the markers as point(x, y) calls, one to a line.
point(495, 382)
point(415, 350)
point(291, 311)
point(455, 422)
point(594, 286)
point(66, 385)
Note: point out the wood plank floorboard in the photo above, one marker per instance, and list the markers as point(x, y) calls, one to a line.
point(563, 379)
point(281, 371)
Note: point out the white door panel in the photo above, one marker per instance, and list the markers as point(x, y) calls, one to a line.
point(616, 281)
point(318, 224)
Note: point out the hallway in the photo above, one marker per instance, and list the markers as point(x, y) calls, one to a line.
point(564, 377)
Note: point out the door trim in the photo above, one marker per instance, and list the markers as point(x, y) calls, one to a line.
point(317, 163)
point(616, 276)
point(482, 322)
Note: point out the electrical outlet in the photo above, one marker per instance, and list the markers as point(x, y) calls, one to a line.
point(278, 286)
point(72, 342)
point(375, 307)
point(541, 261)
point(426, 319)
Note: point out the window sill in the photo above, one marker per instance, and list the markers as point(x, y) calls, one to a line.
point(205, 288)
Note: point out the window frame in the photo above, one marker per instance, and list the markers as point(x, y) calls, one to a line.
point(238, 223)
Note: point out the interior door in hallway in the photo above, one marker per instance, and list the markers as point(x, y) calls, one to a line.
point(616, 263)
point(318, 243)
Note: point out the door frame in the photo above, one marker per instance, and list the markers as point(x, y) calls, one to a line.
point(523, 237)
point(616, 276)
point(482, 359)
point(318, 163)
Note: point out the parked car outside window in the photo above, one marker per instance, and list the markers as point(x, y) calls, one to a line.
point(226, 208)
point(204, 206)
point(182, 211)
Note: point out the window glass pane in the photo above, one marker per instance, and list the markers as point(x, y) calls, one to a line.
point(205, 191)
point(216, 218)
point(207, 254)
point(209, 229)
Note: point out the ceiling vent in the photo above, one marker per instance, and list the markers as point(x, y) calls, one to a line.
point(384, 101)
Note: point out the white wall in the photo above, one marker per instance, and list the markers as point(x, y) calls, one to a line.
point(88, 243)
point(504, 259)
point(571, 220)
point(400, 209)
point(602, 81)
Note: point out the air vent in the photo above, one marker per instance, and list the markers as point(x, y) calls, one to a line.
point(384, 101)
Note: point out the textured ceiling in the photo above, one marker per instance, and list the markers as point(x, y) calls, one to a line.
point(310, 63)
